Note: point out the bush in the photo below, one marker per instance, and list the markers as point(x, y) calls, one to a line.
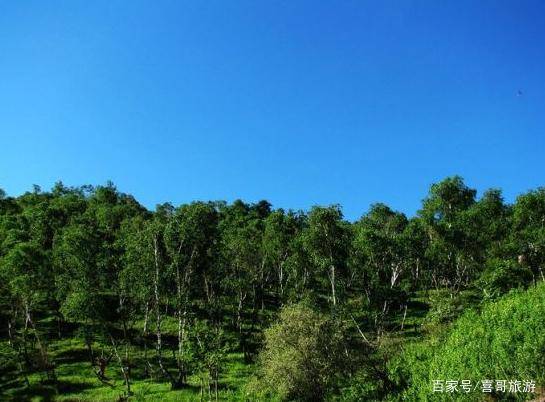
point(444, 308)
point(303, 356)
point(501, 276)
point(505, 341)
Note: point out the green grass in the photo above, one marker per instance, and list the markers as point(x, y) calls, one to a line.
point(77, 382)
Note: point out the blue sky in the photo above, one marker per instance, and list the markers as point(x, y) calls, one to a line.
point(297, 102)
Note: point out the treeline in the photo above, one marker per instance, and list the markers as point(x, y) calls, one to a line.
point(92, 262)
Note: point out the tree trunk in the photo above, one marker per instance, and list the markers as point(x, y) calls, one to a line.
point(239, 311)
point(159, 345)
point(216, 378)
point(20, 358)
point(145, 330)
point(46, 365)
point(242, 337)
point(125, 369)
point(181, 374)
point(332, 280)
point(281, 279)
point(262, 285)
point(404, 316)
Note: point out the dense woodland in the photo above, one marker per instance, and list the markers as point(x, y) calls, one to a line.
point(102, 299)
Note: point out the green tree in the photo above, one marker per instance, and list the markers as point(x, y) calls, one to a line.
point(241, 234)
point(278, 246)
point(209, 347)
point(25, 271)
point(381, 257)
point(189, 236)
point(441, 212)
point(527, 237)
point(326, 238)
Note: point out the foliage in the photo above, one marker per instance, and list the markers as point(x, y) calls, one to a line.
point(303, 355)
point(135, 300)
point(506, 340)
point(502, 275)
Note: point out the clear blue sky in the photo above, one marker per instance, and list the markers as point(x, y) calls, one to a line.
point(297, 102)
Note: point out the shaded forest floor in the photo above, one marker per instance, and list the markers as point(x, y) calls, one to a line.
point(77, 381)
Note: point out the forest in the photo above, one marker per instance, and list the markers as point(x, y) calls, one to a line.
point(104, 300)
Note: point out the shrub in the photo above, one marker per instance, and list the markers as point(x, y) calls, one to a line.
point(444, 308)
point(303, 356)
point(501, 276)
point(506, 340)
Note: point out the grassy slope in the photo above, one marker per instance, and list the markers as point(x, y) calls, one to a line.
point(77, 381)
